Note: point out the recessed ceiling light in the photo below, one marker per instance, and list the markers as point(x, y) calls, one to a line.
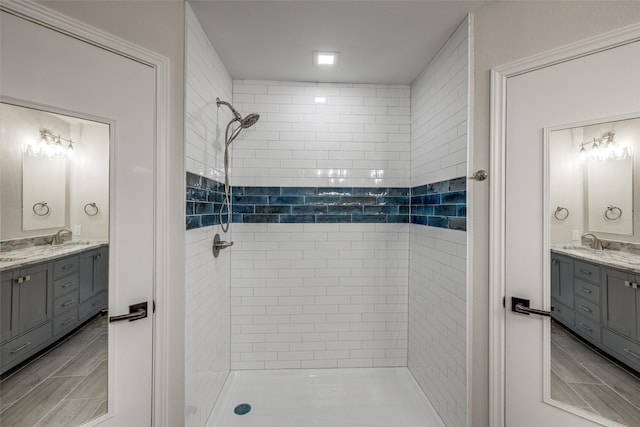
point(325, 58)
point(320, 99)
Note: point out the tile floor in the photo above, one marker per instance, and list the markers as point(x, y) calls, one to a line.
point(584, 378)
point(64, 387)
point(367, 397)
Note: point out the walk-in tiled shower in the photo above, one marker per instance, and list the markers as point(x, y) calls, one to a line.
point(348, 223)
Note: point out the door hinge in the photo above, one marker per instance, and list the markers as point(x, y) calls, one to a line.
point(154, 306)
point(504, 302)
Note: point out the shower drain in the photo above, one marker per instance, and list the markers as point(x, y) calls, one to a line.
point(242, 409)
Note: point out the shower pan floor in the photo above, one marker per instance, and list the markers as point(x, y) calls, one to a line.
point(371, 397)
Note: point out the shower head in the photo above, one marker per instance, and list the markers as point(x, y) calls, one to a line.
point(249, 121)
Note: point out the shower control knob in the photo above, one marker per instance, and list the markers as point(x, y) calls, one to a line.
point(219, 244)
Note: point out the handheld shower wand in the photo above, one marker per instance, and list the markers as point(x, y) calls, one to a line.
point(244, 123)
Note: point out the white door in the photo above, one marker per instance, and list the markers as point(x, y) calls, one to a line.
point(599, 85)
point(40, 66)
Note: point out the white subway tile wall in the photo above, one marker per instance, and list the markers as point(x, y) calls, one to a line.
point(437, 355)
point(359, 137)
point(437, 319)
point(207, 323)
point(439, 109)
point(319, 295)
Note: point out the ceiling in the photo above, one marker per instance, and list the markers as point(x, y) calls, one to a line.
point(379, 41)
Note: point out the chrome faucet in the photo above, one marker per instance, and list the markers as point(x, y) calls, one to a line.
point(595, 242)
point(57, 239)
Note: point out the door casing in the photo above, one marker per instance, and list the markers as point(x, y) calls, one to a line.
point(497, 202)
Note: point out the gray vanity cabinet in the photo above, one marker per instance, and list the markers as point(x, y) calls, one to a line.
point(562, 279)
point(26, 299)
point(606, 305)
point(619, 302)
point(27, 310)
point(42, 303)
point(94, 281)
point(35, 297)
point(8, 316)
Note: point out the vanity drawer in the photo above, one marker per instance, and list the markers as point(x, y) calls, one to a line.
point(587, 290)
point(64, 303)
point(622, 348)
point(587, 328)
point(65, 266)
point(562, 313)
point(22, 347)
point(588, 309)
point(66, 322)
point(587, 271)
point(65, 285)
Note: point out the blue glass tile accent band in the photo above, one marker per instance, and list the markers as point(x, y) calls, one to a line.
point(441, 204)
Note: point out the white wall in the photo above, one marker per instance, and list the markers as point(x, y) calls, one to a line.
point(504, 32)
point(320, 295)
point(359, 137)
point(89, 181)
point(566, 187)
point(437, 267)
point(207, 320)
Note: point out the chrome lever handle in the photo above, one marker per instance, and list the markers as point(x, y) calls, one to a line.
point(136, 312)
point(521, 305)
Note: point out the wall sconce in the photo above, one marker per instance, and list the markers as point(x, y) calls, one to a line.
point(50, 145)
point(603, 148)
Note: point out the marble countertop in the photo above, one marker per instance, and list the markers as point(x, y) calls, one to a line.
point(36, 254)
point(609, 258)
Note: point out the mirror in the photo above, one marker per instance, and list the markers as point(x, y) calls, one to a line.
point(610, 196)
point(594, 365)
point(54, 231)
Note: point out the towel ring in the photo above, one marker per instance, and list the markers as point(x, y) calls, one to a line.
point(91, 209)
point(611, 214)
point(559, 215)
point(41, 208)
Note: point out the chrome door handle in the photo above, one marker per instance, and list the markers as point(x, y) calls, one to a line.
point(136, 312)
point(521, 305)
point(480, 175)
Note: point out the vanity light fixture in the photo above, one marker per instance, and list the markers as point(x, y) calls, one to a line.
point(603, 148)
point(50, 145)
point(325, 58)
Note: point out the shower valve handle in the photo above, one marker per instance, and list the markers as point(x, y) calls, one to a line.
point(219, 244)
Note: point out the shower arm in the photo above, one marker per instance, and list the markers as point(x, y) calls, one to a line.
point(233, 110)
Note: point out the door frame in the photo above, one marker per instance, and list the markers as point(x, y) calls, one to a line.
point(497, 206)
point(56, 21)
